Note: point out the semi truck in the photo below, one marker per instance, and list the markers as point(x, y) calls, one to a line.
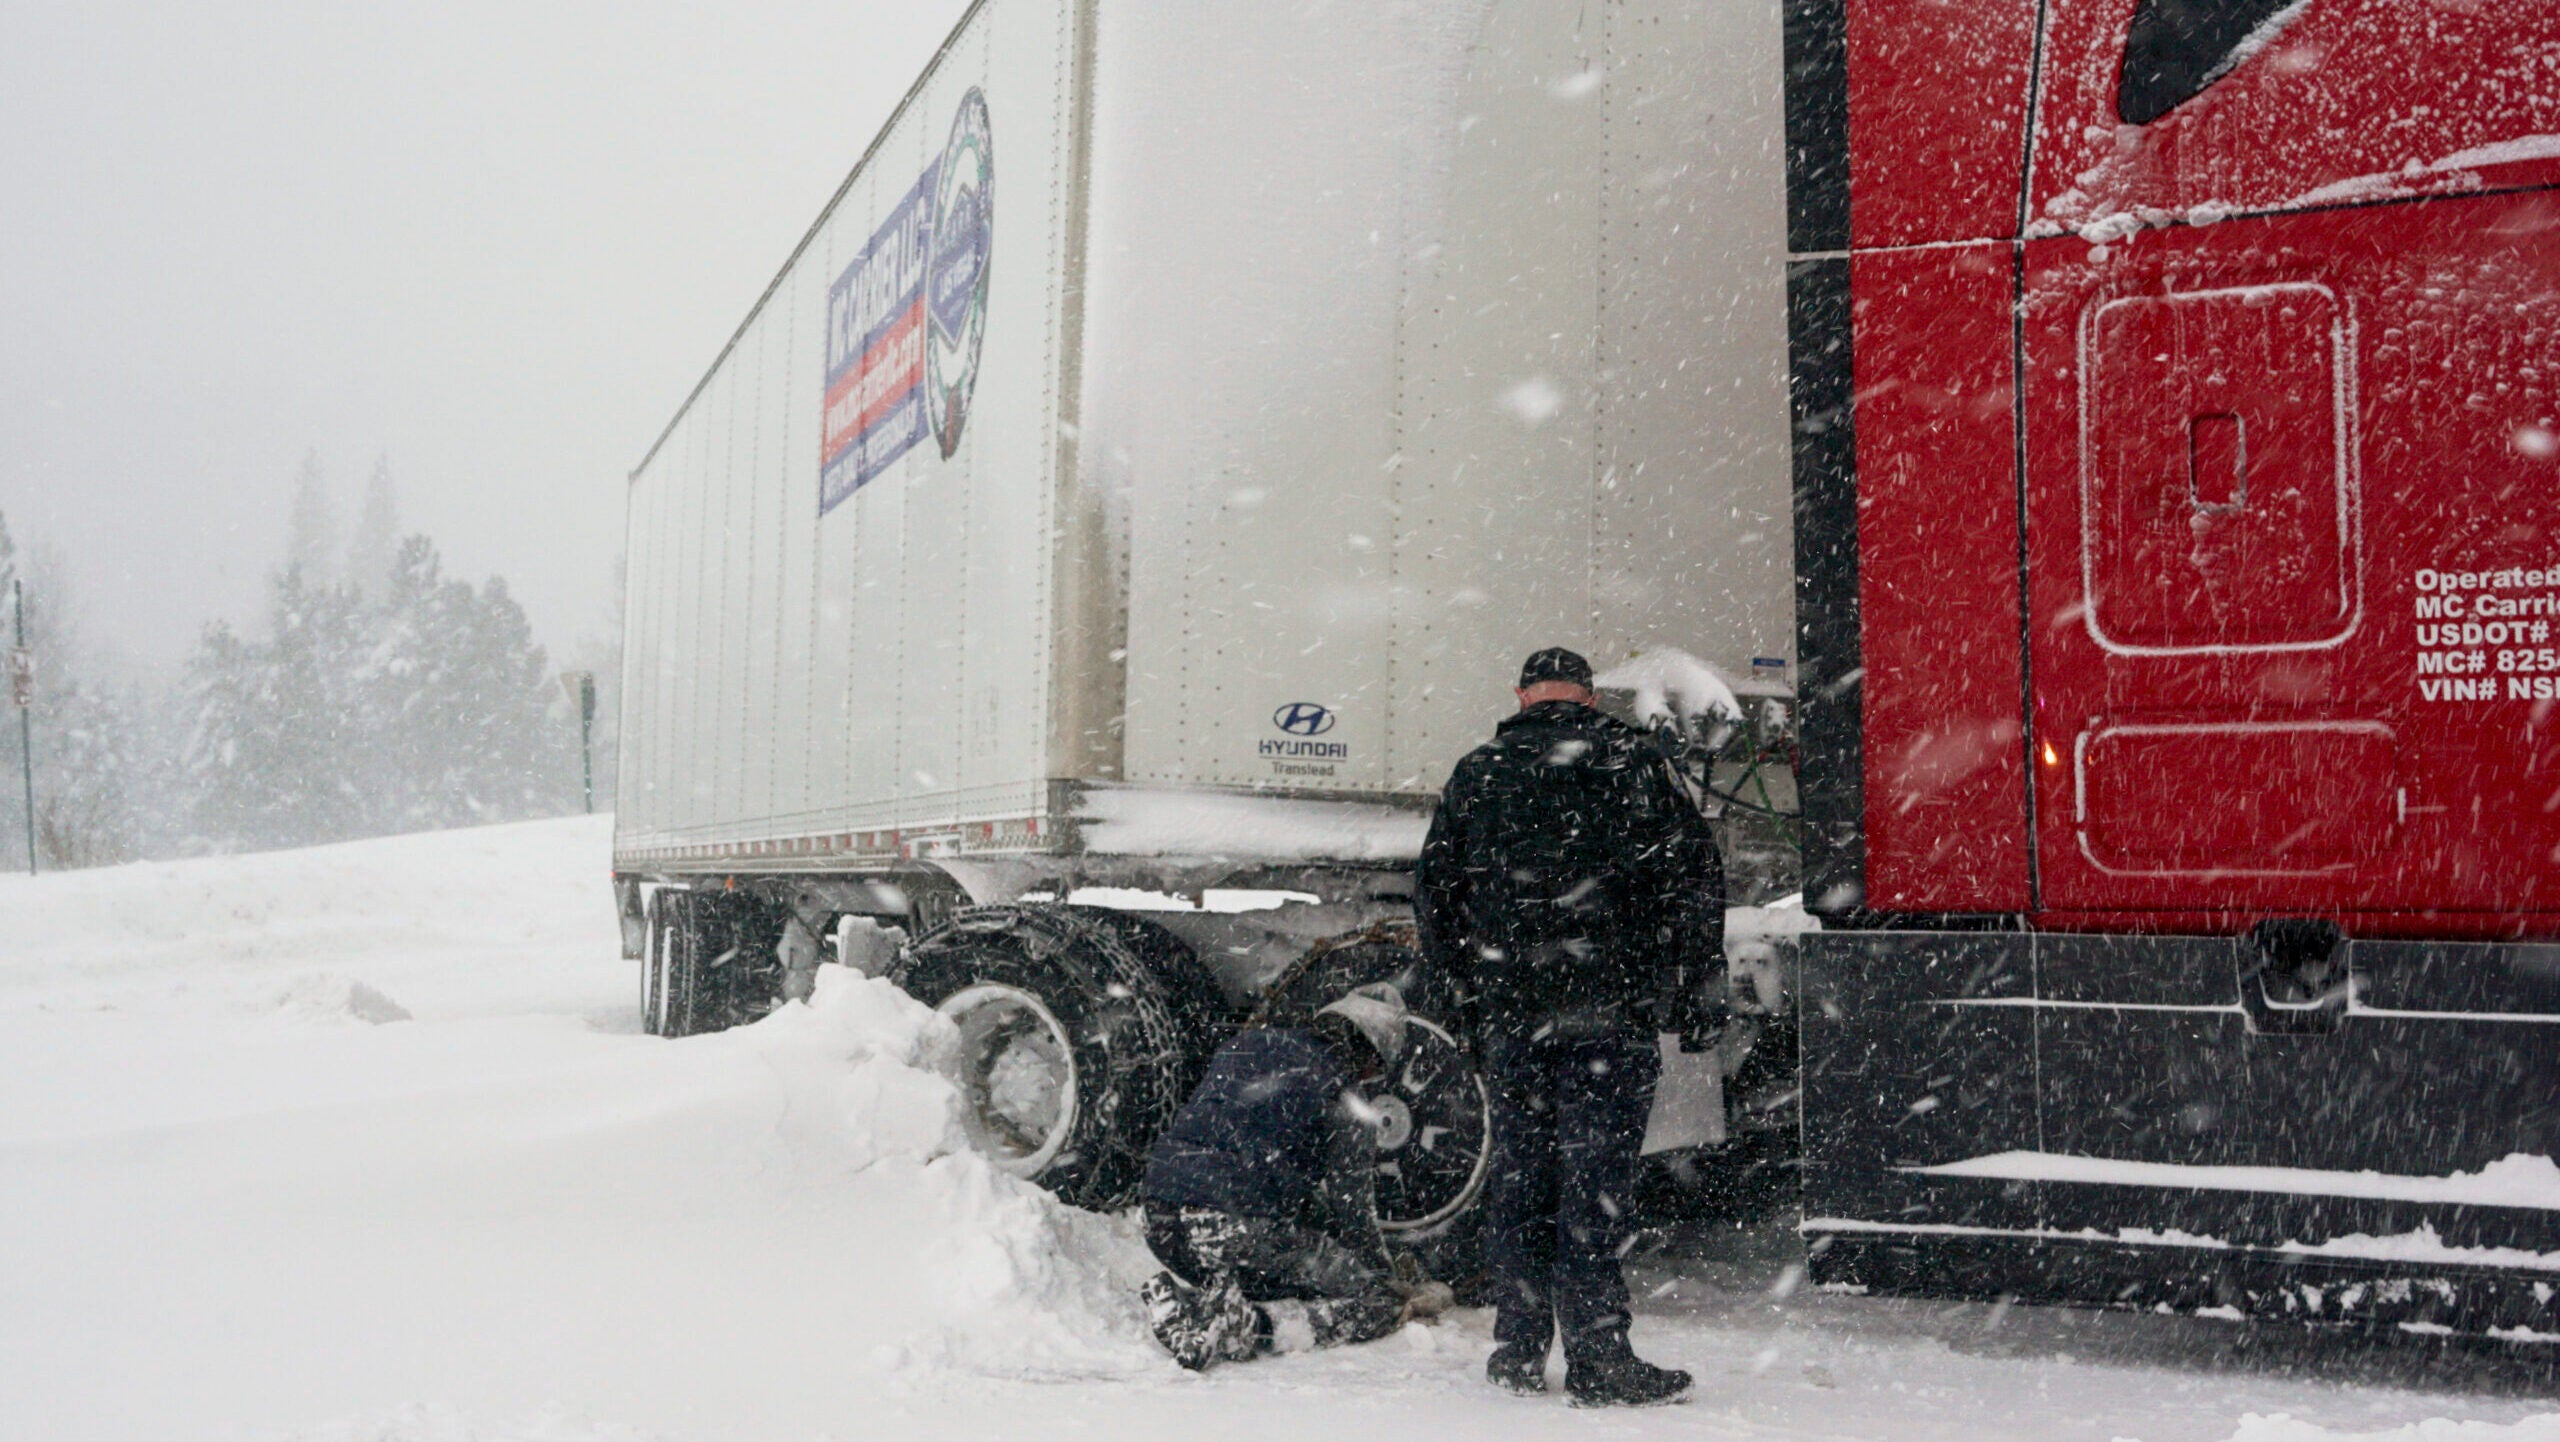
point(2190, 859)
point(1998, 448)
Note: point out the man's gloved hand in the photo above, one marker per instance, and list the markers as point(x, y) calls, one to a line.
point(1424, 1298)
point(1427, 1304)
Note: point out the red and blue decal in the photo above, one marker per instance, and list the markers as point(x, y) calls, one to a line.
point(906, 320)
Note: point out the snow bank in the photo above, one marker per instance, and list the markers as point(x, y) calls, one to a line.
point(420, 1423)
point(238, 1210)
point(327, 999)
point(2281, 1428)
point(443, 921)
point(1026, 1284)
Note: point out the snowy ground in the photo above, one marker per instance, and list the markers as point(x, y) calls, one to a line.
point(240, 1198)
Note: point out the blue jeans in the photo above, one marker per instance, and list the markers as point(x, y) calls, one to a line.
point(1568, 1127)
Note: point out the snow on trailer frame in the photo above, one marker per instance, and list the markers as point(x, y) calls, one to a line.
point(1137, 481)
point(2188, 882)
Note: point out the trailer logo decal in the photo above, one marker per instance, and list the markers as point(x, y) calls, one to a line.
point(1303, 756)
point(963, 200)
point(906, 320)
point(1303, 718)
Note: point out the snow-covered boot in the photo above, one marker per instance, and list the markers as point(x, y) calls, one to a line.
point(1517, 1370)
point(1243, 1329)
point(1200, 1327)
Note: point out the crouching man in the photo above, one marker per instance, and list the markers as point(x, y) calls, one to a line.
point(1259, 1197)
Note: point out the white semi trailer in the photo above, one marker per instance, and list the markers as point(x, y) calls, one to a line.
point(1142, 483)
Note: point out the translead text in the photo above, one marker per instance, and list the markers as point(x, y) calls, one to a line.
point(2478, 640)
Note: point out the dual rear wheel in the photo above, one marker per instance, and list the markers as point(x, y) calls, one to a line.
point(1083, 1031)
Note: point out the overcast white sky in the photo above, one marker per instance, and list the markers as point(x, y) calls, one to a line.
point(495, 240)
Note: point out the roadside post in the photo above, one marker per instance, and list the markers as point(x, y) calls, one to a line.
point(22, 694)
point(580, 687)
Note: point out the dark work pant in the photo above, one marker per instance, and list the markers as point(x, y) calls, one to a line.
point(1568, 1126)
point(1284, 1269)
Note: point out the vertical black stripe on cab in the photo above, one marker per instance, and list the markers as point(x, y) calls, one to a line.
point(1830, 784)
point(1817, 58)
point(1830, 779)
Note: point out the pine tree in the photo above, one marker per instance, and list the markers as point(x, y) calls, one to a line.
point(463, 694)
point(219, 756)
point(311, 531)
point(89, 756)
point(375, 546)
point(431, 706)
point(303, 691)
point(86, 734)
point(13, 810)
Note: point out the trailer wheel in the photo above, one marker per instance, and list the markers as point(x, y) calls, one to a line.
point(710, 962)
point(660, 957)
point(1080, 1035)
point(650, 930)
point(1435, 1143)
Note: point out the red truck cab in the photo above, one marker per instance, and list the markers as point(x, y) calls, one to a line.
point(2177, 403)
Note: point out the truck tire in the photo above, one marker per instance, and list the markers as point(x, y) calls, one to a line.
point(661, 958)
point(710, 962)
point(1435, 1145)
point(1081, 1034)
point(651, 923)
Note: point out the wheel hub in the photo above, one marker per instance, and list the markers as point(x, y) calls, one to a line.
point(1017, 1076)
point(1434, 1142)
point(1395, 1123)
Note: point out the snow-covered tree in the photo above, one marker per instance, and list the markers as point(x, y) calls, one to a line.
point(220, 752)
point(311, 530)
point(85, 732)
point(375, 544)
point(464, 699)
point(430, 707)
point(13, 810)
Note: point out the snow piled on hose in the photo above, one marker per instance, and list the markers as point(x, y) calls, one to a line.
point(1669, 684)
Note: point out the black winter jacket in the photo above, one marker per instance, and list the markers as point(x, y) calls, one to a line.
point(1274, 1130)
point(1568, 882)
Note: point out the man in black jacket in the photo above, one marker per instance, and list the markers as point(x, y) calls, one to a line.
point(1259, 1197)
point(1572, 892)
